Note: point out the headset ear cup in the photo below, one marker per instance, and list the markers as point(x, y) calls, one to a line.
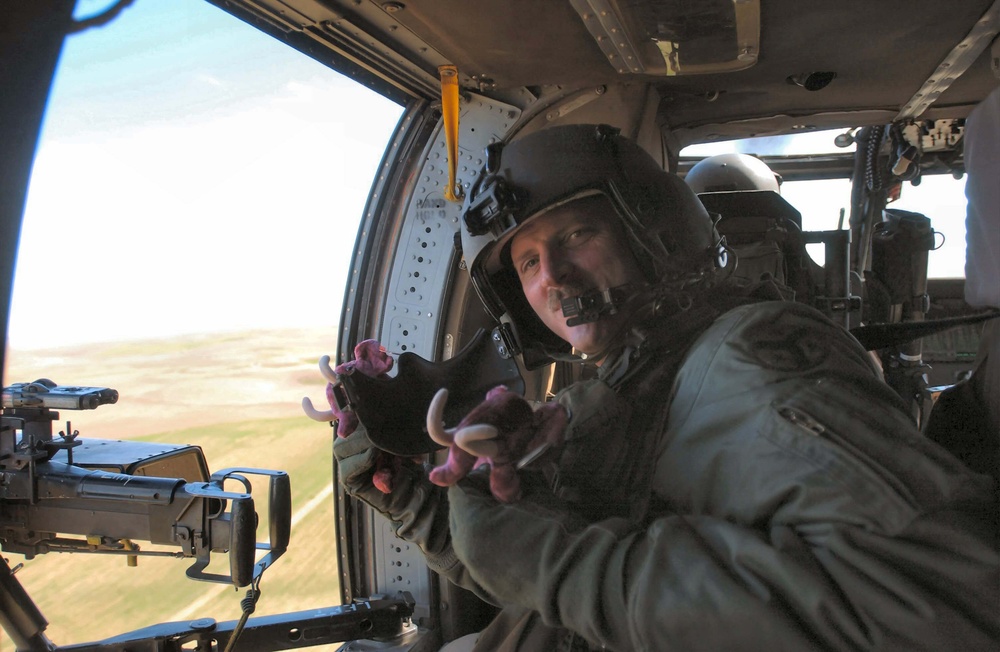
point(491, 291)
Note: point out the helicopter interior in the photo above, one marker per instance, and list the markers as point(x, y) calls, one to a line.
point(894, 81)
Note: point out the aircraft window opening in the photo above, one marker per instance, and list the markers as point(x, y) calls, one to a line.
point(940, 195)
point(200, 185)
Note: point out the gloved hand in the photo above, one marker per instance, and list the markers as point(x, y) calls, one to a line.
point(371, 360)
point(371, 474)
point(500, 431)
point(396, 487)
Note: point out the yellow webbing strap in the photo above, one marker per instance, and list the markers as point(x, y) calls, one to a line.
point(449, 114)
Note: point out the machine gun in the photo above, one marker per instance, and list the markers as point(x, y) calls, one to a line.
point(74, 494)
point(113, 493)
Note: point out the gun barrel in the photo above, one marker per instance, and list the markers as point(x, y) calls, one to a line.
point(67, 481)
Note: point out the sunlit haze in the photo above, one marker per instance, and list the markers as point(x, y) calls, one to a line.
point(197, 175)
point(193, 175)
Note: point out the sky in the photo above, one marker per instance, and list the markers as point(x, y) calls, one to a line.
point(196, 175)
point(193, 175)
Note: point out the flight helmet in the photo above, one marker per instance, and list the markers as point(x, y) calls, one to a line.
point(668, 230)
point(729, 172)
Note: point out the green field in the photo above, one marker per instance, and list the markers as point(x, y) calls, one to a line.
point(88, 597)
point(237, 397)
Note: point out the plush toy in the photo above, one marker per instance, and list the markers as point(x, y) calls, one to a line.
point(371, 360)
point(501, 431)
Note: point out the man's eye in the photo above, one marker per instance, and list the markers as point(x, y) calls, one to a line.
point(529, 265)
point(576, 237)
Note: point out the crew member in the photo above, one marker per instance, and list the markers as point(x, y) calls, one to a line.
point(737, 476)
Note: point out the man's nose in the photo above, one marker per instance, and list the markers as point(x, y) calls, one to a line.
point(556, 267)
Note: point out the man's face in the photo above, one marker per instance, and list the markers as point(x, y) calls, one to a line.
point(568, 251)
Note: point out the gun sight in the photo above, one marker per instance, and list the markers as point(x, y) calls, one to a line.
point(45, 394)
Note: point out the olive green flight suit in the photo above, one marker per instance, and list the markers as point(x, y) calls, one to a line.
point(761, 490)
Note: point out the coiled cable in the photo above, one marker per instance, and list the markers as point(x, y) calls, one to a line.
point(248, 604)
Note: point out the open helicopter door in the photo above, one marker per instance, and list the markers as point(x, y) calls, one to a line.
point(404, 269)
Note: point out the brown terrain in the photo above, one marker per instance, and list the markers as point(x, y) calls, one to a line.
point(237, 395)
point(186, 382)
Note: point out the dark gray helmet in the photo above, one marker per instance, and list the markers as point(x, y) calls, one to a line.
point(730, 172)
point(669, 231)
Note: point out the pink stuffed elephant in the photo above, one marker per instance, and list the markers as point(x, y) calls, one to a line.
point(371, 360)
point(500, 432)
